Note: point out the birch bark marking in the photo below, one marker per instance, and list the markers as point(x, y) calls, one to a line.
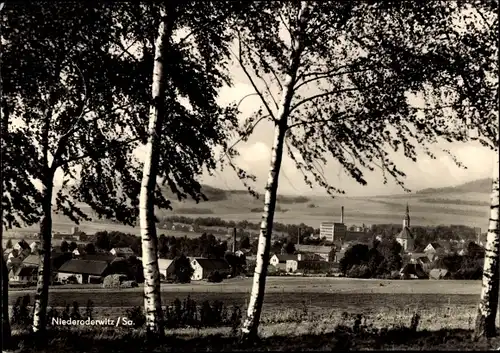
point(488, 303)
point(44, 274)
point(152, 298)
point(250, 326)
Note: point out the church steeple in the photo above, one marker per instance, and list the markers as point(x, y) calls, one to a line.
point(406, 220)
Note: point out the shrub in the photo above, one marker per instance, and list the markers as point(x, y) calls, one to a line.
point(129, 284)
point(113, 281)
point(215, 277)
point(359, 271)
point(65, 314)
point(75, 313)
point(89, 310)
point(72, 280)
point(21, 315)
point(136, 315)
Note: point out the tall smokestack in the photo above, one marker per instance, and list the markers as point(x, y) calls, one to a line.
point(234, 240)
point(342, 215)
point(298, 238)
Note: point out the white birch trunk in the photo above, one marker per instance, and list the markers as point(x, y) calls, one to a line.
point(488, 304)
point(152, 297)
point(250, 327)
point(44, 272)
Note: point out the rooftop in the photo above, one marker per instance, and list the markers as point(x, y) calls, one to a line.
point(88, 267)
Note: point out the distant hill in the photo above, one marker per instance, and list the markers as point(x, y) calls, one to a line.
point(216, 194)
point(479, 186)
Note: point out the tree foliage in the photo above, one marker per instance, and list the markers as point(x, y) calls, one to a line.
point(374, 79)
point(182, 269)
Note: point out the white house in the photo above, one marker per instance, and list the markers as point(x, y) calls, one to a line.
point(122, 252)
point(432, 247)
point(83, 270)
point(204, 267)
point(35, 246)
point(166, 267)
point(279, 261)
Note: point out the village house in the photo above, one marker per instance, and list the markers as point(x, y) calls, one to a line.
point(98, 257)
point(21, 245)
point(35, 246)
point(279, 260)
point(85, 271)
point(13, 262)
point(317, 266)
point(23, 274)
point(204, 267)
point(432, 247)
point(32, 261)
point(166, 267)
point(79, 251)
point(326, 253)
point(122, 252)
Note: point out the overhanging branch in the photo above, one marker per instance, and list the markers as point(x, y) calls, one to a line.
point(245, 70)
point(325, 94)
point(324, 75)
point(88, 154)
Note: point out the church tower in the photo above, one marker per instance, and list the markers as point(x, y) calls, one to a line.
point(406, 220)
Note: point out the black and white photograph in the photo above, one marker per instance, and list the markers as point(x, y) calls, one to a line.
point(204, 176)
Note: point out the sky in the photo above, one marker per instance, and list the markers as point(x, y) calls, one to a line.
point(255, 155)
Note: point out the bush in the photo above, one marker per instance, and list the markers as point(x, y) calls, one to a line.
point(129, 284)
point(21, 313)
point(359, 271)
point(75, 313)
point(215, 277)
point(113, 281)
point(72, 280)
point(136, 315)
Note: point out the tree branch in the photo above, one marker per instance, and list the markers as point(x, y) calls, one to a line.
point(315, 121)
point(245, 70)
point(72, 128)
point(325, 94)
point(248, 132)
point(88, 154)
point(327, 74)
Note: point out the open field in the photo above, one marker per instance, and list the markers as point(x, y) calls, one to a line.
point(284, 292)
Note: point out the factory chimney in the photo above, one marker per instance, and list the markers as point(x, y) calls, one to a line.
point(342, 215)
point(234, 240)
point(298, 237)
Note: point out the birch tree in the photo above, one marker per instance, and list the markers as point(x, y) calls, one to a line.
point(358, 82)
point(488, 303)
point(152, 300)
point(19, 197)
point(185, 122)
point(72, 113)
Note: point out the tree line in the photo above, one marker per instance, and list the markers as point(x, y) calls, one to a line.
point(107, 79)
